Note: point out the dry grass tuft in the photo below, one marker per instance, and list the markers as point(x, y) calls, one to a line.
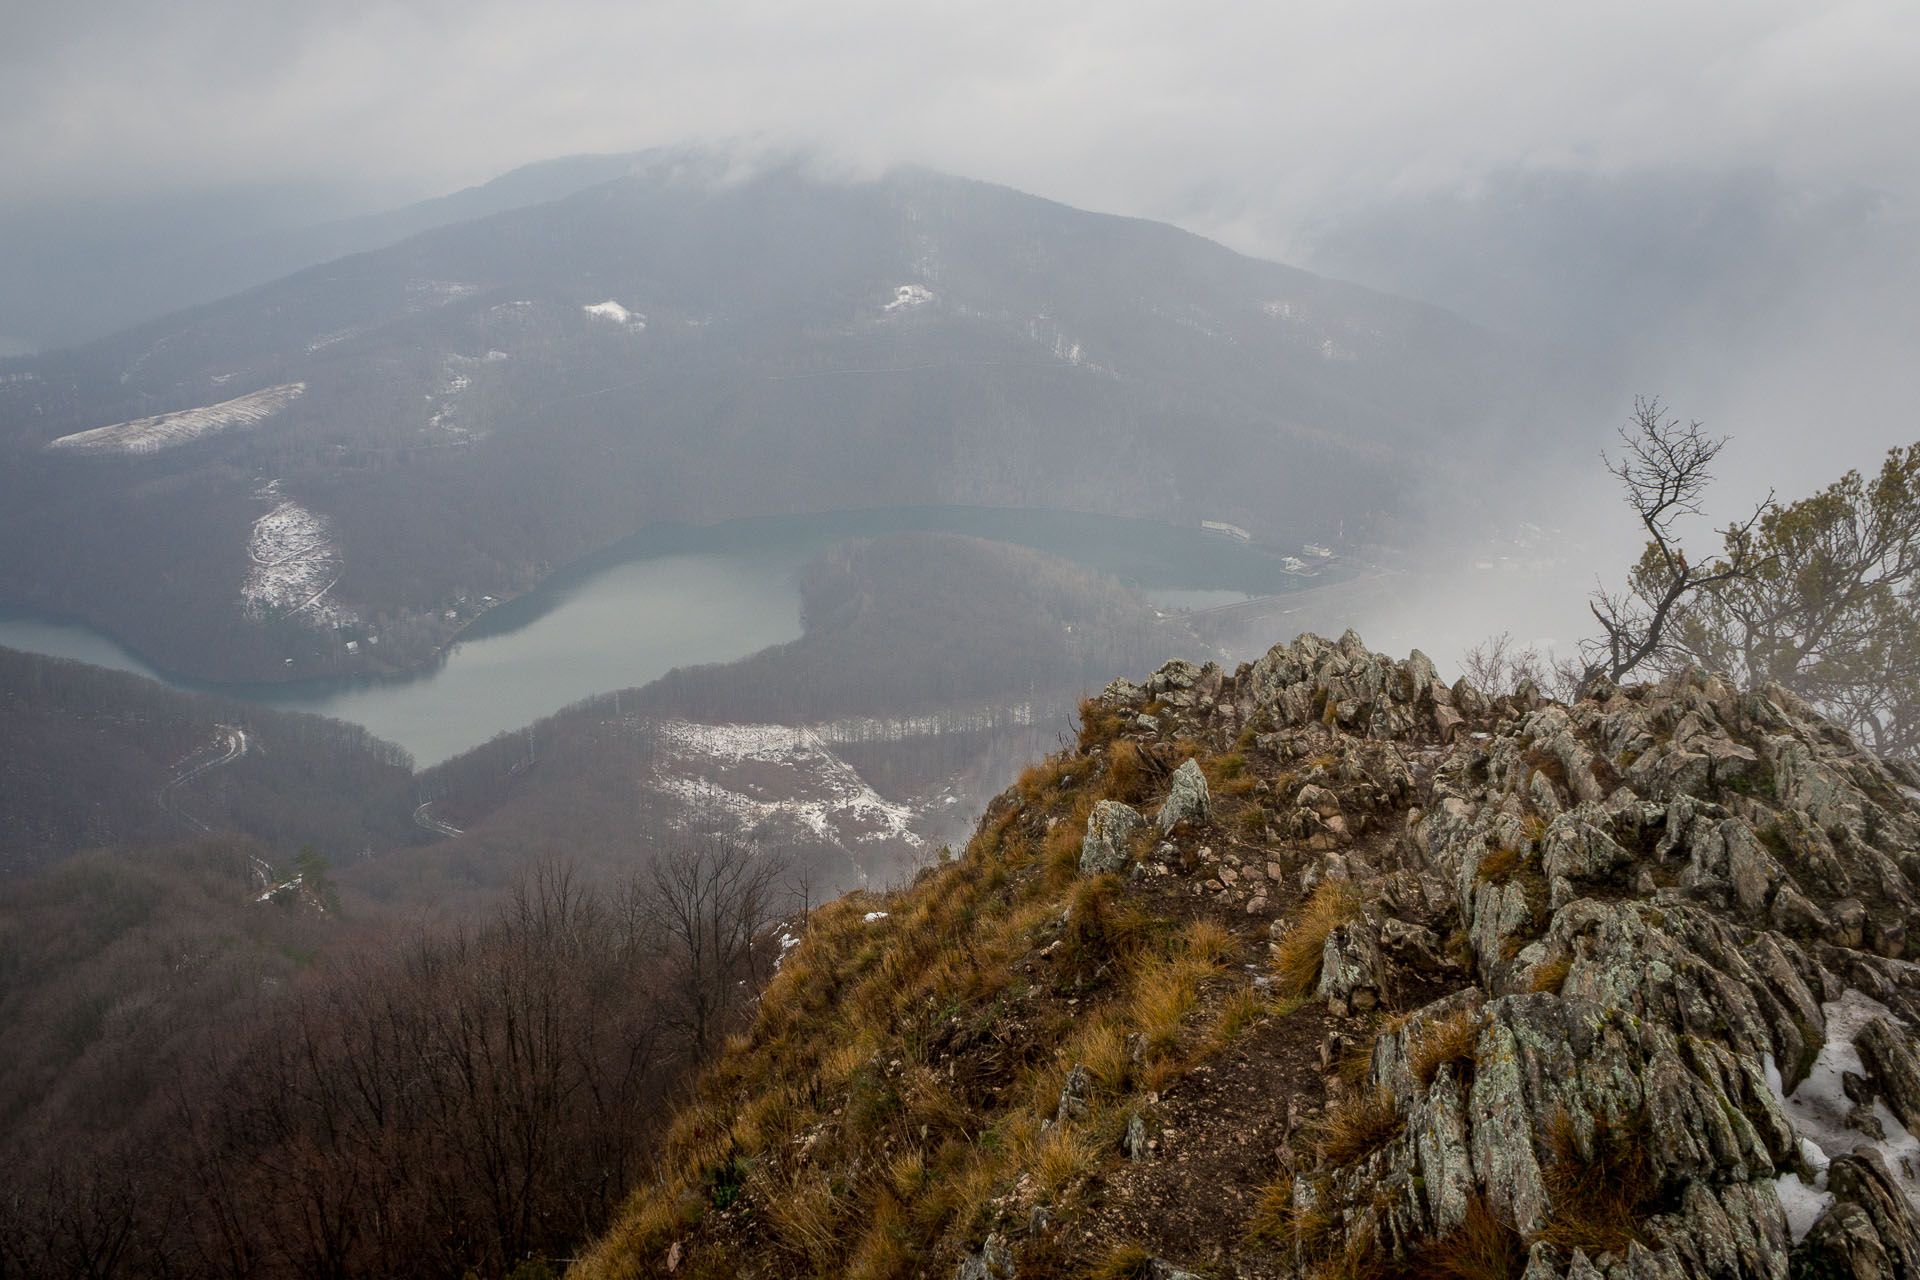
point(1597, 1202)
point(1449, 1039)
point(1208, 940)
point(1272, 1221)
point(1164, 993)
point(1102, 930)
point(1552, 975)
point(1240, 1010)
point(1297, 963)
point(1482, 1248)
point(1123, 1262)
point(1499, 865)
point(1129, 777)
point(804, 1213)
point(1063, 1157)
point(1360, 1127)
point(1099, 723)
point(1041, 781)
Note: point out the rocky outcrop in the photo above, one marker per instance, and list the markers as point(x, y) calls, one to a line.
point(1660, 892)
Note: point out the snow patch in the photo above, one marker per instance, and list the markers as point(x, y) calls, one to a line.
point(908, 296)
point(295, 565)
point(166, 430)
point(1819, 1110)
point(613, 311)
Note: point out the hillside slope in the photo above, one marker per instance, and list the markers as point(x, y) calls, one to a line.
point(1391, 978)
point(90, 757)
point(458, 414)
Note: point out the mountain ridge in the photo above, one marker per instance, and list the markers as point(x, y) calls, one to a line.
point(787, 345)
point(1527, 989)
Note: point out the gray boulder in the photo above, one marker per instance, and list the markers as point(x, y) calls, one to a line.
point(1188, 801)
point(1110, 828)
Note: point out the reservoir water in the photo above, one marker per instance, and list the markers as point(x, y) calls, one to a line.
point(672, 596)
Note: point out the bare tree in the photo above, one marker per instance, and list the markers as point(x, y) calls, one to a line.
point(1501, 665)
point(710, 901)
point(1665, 468)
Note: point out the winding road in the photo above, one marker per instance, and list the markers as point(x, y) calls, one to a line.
point(231, 745)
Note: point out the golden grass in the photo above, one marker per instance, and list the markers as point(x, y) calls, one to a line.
point(1128, 777)
point(1272, 1220)
point(1208, 940)
point(1100, 1044)
point(1041, 780)
point(1448, 1039)
point(1552, 975)
point(1240, 1010)
point(1359, 1127)
point(1164, 993)
point(1499, 865)
point(804, 1213)
point(1482, 1248)
point(882, 1252)
point(1297, 960)
point(907, 1173)
point(1099, 723)
point(1123, 1262)
point(1596, 1203)
point(1064, 1155)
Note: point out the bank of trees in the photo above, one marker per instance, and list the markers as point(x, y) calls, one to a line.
point(421, 1101)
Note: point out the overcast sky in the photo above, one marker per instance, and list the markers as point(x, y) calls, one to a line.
point(1243, 118)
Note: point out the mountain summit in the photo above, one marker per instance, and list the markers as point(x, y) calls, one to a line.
point(1325, 968)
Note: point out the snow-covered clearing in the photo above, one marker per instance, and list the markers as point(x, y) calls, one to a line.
point(908, 296)
point(1819, 1109)
point(756, 772)
point(613, 311)
point(425, 295)
point(295, 565)
point(165, 430)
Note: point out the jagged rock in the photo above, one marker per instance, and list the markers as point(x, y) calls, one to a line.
point(1847, 919)
point(1352, 974)
point(1161, 1269)
point(1413, 945)
point(1073, 1095)
point(1318, 800)
point(994, 1261)
point(1110, 828)
point(1870, 1230)
point(1188, 799)
point(1136, 1139)
point(1894, 1070)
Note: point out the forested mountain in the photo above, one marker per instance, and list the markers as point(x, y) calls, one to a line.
point(91, 757)
point(365, 448)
